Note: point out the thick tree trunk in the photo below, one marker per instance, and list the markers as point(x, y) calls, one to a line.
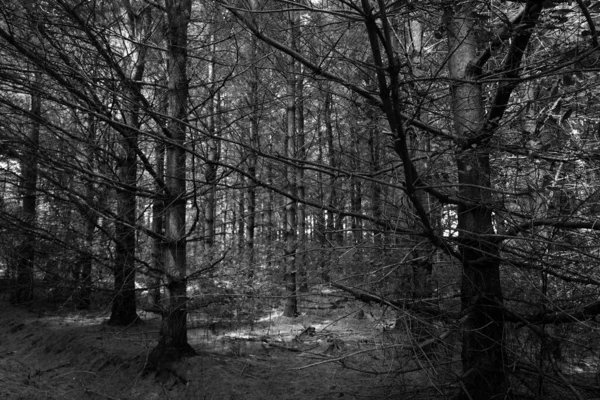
point(124, 310)
point(172, 343)
point(481, 293)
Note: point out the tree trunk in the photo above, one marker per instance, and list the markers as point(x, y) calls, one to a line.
point(332, 195)
point(254, 118)
point(301, 188)
point(356, 199)
point(290, 176)
point(374, 155)
point(289, 223)
point(90, 221)
point(241, 221)
point(252, 163)
point(422, 264)
point(173, 344)
point(124, 300)
point(210, 169)
point(158, 226)
point(270, 216)
point(321, 221)
point(483, 358)
point(29, 173)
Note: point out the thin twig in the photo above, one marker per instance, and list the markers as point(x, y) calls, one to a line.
point(566, 382)
point(421, 345)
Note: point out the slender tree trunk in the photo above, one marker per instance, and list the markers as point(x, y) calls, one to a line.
point(374, 153)
point(29, 174)
point(91, 219)
point(270, 216)
point(422, 264)
point(173, 343)
point(356, 198)
point(483, 328)
point(158, 226)
point(252, 163)
point(331, 216)
point(251, 219)
point(210, 171)
point(241, 221)
point(289, 223)
point(290, 176)
point(124, 310)
point(321, 221)
point(301, 187)
point(254, 118)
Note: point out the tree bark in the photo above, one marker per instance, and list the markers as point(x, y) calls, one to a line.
point(331, 216)
point(173, 343)
point(375, 188)
point(356, 199)
point(124, 310)
point(29, 174)
point(210, 169)
point(301, 186)
point(290, 176)
point(158, 226)
point(252, 160)
point(483, 358)
point(241, 221)
point(90, 221)
point(289, 223)
point(422, 264)
point(321, 220)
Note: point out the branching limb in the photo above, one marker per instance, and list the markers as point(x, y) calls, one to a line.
point(590, 21)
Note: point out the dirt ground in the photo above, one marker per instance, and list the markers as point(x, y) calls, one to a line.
point(63, 355)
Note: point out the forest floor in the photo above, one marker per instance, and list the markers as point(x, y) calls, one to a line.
point(67, 355)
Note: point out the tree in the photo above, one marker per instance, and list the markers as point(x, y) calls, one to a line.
point(124, 304)
point(29, 176)
point(173, 333)
point(91, 221)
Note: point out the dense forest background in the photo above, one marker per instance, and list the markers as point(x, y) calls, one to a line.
point(439, 159)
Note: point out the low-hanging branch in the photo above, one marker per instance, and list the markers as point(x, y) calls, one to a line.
point(401, 305)
point(569, 316)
